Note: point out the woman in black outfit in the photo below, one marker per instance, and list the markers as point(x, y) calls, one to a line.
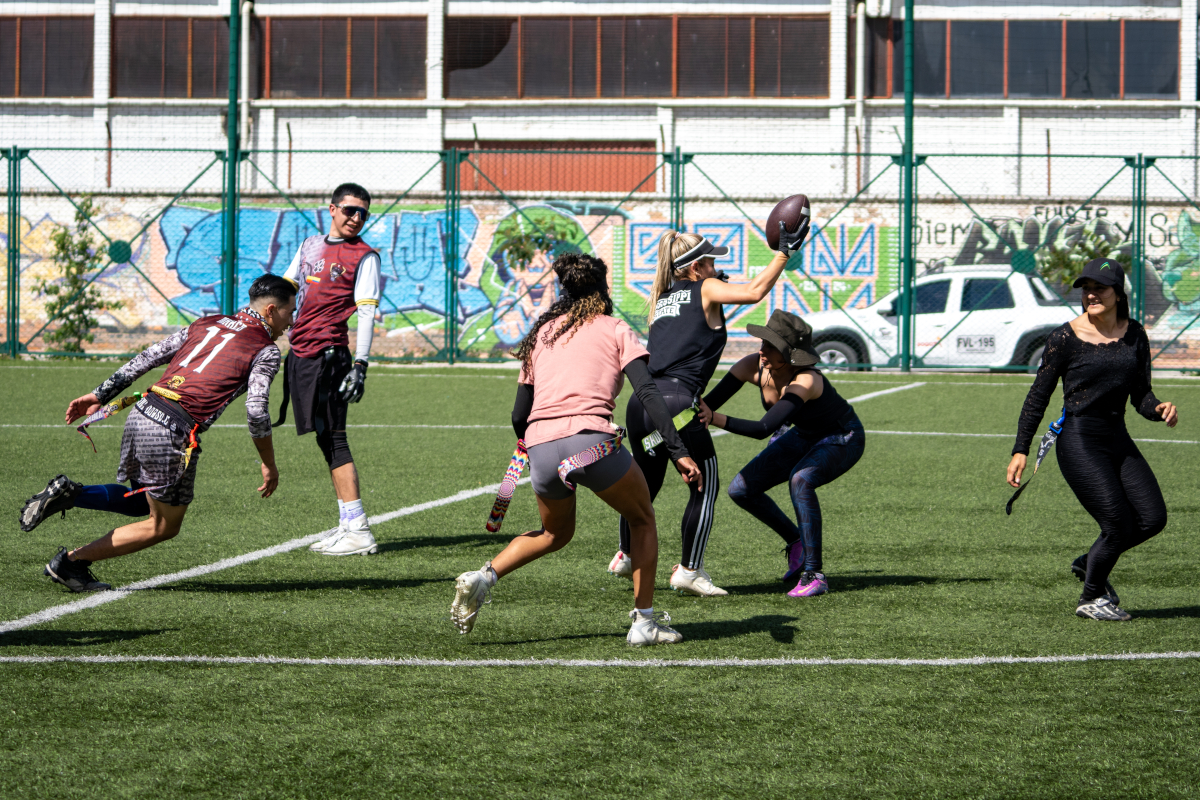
point(1103, 358)
point(815, 438)
point(687, 338)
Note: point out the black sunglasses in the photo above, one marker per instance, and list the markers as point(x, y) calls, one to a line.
point(350, 211)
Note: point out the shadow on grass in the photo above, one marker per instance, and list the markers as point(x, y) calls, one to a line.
point(774, 624)
point(461, 540)
point(1167, 613)
point(554, 639)
point(851, 583)
point(74, 638)
point(368, 584)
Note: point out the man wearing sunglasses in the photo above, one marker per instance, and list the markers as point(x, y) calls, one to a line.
point(336, 275)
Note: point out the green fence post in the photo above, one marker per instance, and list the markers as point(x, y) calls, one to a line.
point(232, 163)
point(13, 305)
point(906, 221)
point(450, 250)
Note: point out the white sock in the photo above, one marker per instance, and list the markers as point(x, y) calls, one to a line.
point(648, 613)
point(355, 516)
point(341, 511)
point(490, 574)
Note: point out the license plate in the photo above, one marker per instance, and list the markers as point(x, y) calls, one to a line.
point(976, 344)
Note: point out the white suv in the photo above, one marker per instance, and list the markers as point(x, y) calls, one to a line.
point(981, 318)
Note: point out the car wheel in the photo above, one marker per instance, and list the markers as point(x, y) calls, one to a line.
point(1035, 356)
point(837, 356)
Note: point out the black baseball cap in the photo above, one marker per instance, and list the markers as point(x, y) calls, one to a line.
point(1106, 271)
point(703, 250)
point(790, 335)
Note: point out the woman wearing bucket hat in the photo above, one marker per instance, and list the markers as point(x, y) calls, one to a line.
point(1103, 358)
point(687, 338)
point(824, 441)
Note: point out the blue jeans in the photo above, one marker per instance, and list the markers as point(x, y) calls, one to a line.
point(804, 464)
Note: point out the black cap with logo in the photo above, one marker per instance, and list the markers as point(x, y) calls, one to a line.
point(1106, 271)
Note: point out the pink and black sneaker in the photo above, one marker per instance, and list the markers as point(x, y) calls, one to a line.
point(811, 584)
point(795, 553)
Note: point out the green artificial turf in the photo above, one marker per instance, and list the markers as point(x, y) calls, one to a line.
point(921, 560)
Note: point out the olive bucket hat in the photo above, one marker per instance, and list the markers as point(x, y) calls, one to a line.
point(789, 335)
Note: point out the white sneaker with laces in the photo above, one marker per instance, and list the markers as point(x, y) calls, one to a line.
point(621, 566)
point(351, 543)
point(651, 630)
point(320, 544)
point(471, 590)
point(1102, 609)
point(698, 582)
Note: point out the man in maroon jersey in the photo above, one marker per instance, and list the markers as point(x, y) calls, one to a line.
point(336, 276)
point(212, 361)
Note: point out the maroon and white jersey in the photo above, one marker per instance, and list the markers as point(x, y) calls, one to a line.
point(333, 277)
point(212, 361)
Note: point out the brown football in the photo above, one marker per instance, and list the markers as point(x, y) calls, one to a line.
point(789, 211)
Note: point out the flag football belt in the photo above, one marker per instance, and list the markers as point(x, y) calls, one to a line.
point(1043, 448)
point(679, 422)
point(520, 458)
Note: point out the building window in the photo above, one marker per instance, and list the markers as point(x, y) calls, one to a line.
point(344, 57)
point(1062, 59)
point(45, 56)
point(609, 167)
point(637, 57)
point(171, 56)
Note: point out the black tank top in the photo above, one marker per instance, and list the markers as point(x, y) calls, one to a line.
point(818, 417)
point(682, 345)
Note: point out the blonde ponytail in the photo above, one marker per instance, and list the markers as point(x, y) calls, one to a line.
point(671, 246)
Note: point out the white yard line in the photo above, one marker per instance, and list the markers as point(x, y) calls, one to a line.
point(656, 663)
point(882, 392)
point(100, 598)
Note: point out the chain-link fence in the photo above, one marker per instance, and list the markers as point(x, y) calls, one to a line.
point(467, 236)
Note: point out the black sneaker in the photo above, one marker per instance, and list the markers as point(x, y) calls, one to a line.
point(1079, 567)
point(75, 575)
point(59, 495)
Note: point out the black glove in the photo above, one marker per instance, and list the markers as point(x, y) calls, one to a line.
point(352, 385)
point(791, 242)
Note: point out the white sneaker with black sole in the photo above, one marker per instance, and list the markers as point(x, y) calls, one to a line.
point(1102, 609)
point(471, 590)
point(351, 542)
point(695, 582)
point(650, 630)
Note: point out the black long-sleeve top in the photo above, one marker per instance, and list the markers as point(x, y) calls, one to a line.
point(814, 418)
point(1097, 379)
point(643, 386)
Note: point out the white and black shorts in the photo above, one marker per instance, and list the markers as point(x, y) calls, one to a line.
point(153, 455)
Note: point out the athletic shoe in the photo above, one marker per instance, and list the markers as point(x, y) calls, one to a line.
point(651, 630)
point(471, 590)
point(621, 566)
point(320, 544)
point(351, 543)
point(795, 553)
point(698, 582)
point(75, 575)
point(59, 495)
point(811, 584)
point(1103, 609)
point(1079, 567)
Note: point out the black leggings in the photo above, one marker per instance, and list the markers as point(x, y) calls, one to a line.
point(1114, 483)
point(698, 515)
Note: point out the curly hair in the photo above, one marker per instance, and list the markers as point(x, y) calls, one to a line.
point(584, 282)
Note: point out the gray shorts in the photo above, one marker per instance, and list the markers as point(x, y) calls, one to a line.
point(152, 455)
point(545, 458)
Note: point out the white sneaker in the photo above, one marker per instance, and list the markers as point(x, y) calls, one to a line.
point(698, 583)
point(471, 590)
point(320, 544)
point(351, 543)
point(1103, 609)
point(651, 630)
point(621, 566)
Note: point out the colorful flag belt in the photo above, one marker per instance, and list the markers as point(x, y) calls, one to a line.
point(520, 458)
point(116, 406)
point(1043, 448)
